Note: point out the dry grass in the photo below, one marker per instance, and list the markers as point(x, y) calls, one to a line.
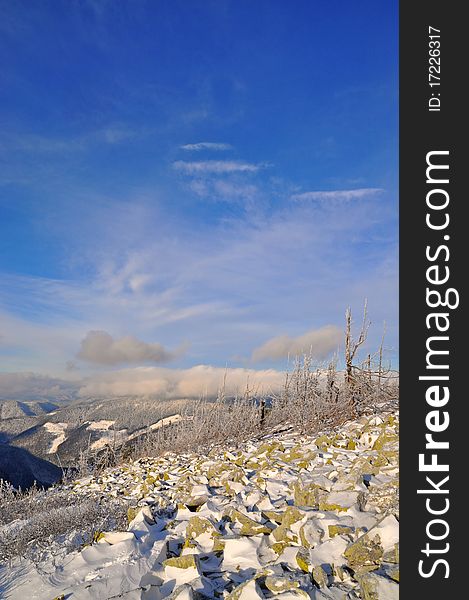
point(31, 521)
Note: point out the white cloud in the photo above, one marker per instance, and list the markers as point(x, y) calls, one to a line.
point(223, 189)
point(319, 342)
point(195, 382)
point(101, 348)
point(337, 194)
point(206, 146)
point(215, 167)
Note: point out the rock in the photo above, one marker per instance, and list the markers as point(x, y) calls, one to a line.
point(248, 525)
point(283, 532)
point(320, 576)
point(303, 560)
point(392, 555)
point(275, 516)
point(201, 529)
point(143, 511)
point(311, 534)
point(323, 442)
point(182, 569)
point(249, 590)
point(365, 553)
point(376, 587)
point(294, 595)
point(340, 530)
point(278, 584)
point(182, 592)
point(386, 441)
point(307, 494)
point(339, 501)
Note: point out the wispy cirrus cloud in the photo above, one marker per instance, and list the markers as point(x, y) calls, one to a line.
point(29, 142)
point(211, 167)
point(337, 194)
point(224, 189)
point(318, 342)
point(215, 146)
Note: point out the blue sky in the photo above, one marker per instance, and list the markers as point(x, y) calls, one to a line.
point(193, 183)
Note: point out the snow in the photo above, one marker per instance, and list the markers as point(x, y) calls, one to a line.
point(57, 429)
point(166, 421)
point(100, 425)
point(210, 526)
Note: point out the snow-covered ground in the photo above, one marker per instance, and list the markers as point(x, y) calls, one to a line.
point(101, 425)
point(288, 516)
point(57, 429)
point(112, 436)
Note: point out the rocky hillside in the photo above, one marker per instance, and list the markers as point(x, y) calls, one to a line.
point(287, 516)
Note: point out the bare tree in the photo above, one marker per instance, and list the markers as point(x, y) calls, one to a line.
point(353, 344)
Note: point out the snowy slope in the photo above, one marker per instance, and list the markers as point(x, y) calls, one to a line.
point(284, 516)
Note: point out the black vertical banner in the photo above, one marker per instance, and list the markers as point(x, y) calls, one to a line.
point(434, 363)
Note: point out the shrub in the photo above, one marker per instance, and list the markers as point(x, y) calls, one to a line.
point(31, 521)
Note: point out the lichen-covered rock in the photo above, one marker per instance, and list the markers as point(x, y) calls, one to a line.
point(386, 441)
point(303, 560)
point(248, 526)
point(307, 494)
point(249, 590)
point(340, 530)
point(182, 569)
point(392, 555)
point(339, 501)
point(278, 584)
point(365, 553)
point(201, 532)
point(182, 562)
point(376, 587)
point(284, 533)
point(320, 576)
point(323, 442)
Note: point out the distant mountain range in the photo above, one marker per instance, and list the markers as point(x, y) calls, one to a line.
point(14, 409)
point(57, 433)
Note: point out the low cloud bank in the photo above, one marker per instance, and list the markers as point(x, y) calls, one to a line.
point(31, 386)
point(163, 383)
point(202, 380)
